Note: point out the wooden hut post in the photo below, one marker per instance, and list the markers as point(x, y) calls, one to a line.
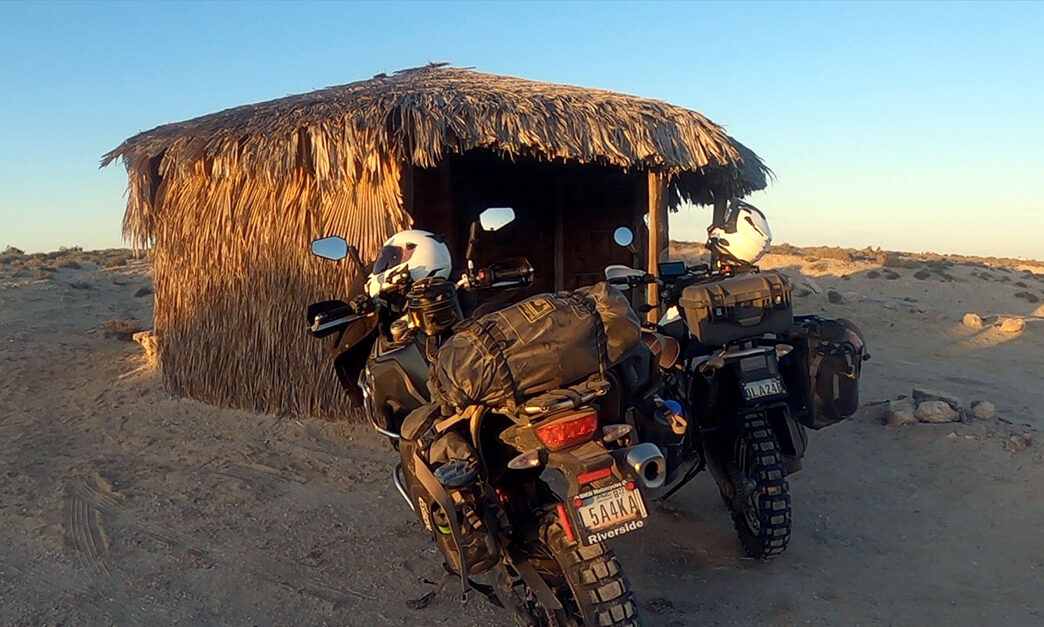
point(720, 204)
point(657, 237)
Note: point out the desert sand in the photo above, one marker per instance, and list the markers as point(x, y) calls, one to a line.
point(120, 504)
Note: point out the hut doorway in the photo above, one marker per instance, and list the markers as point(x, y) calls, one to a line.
point(565, 213)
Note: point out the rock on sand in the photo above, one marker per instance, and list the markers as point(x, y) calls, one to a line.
point(1012, 325)
point(983, 410)
point(936, 412)
point(900, 412)
point(972, 321)
point(921, 395)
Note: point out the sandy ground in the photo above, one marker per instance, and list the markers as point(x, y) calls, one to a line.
point(122, 505)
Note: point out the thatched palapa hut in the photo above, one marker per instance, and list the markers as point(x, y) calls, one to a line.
point(230, 201)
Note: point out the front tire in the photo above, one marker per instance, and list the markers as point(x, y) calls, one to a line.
point(756, 490)
point(587, 580)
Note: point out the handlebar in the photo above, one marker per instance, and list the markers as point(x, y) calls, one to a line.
point(635, 280)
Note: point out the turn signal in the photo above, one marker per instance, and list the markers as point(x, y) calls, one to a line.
point(568, 430)
point(612, 433)
point(529, 459)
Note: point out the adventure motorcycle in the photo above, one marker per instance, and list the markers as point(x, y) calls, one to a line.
point(749, 378)
point(473, 458)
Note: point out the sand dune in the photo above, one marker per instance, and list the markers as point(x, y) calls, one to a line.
point(122, 505)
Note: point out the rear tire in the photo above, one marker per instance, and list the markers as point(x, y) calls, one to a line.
point(756, 491)
point(587, 580)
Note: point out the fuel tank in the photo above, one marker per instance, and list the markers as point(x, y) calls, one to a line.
point(394, 382)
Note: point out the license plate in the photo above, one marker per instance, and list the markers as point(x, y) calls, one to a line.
point(754, 390)
point(610, 511)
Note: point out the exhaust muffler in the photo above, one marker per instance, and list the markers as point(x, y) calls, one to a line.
point(644, 462)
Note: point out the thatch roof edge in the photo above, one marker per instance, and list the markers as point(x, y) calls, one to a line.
point(420, 115)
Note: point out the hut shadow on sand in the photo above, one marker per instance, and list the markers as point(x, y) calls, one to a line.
point(230, 201)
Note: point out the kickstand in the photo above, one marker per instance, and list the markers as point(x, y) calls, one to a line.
point(425, 601)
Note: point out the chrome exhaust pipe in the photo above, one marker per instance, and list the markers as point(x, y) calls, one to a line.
point(644, 462)
point(400, 485)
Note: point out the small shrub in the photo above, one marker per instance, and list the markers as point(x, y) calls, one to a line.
point(785, 249)
point(49, 268)
point(890, 260)
point(121, 328)
point(831, 252)
point(115, 262)
point(11, 250)
point(81, 285)
point(43, 275)
point(69, 264)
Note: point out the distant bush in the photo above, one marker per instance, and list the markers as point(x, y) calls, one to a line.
point(11, 250)
point(115, 262)
point(785, 249)
point(830, 252)
point(890, 260)
point(69, 264)
point(44, 275)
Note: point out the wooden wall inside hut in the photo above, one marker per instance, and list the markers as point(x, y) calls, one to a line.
point(565, 208)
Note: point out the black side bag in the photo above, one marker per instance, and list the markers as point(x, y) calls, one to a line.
point(822, 372)
point(453, 508)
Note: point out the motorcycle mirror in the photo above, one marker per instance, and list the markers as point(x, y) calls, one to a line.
point(330, 248)
point(496, 218)
point(623, 236)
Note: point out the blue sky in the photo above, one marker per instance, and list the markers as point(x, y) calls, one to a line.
point(912, 126)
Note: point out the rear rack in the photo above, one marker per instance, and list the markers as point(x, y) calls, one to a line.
point(566, 398)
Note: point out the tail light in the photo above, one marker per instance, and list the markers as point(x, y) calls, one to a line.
point(568, 430)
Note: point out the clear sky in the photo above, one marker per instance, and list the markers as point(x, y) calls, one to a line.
point(912, 126)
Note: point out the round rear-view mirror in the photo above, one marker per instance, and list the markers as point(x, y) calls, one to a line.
point(496, 218)
point(330, 248)
point(623, 236)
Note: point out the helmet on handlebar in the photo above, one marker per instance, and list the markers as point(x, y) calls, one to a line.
point(744, 237)
point(424, 254)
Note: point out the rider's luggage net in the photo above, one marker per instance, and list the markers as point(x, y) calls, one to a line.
point(543, 343)
point(743, 306)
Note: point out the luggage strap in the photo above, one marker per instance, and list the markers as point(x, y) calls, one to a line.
point(435, 489)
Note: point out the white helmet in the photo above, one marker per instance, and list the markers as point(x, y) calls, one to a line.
point(744, 237)
point(424, 254)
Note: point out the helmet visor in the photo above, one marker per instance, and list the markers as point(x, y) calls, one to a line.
point(392, 256)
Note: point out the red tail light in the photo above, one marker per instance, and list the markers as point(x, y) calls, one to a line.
point(568, 430)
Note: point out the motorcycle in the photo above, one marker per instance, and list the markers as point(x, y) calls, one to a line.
point(475, 471)
point(744, 377)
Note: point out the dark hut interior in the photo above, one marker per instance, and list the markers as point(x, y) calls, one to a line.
point(565, 213)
